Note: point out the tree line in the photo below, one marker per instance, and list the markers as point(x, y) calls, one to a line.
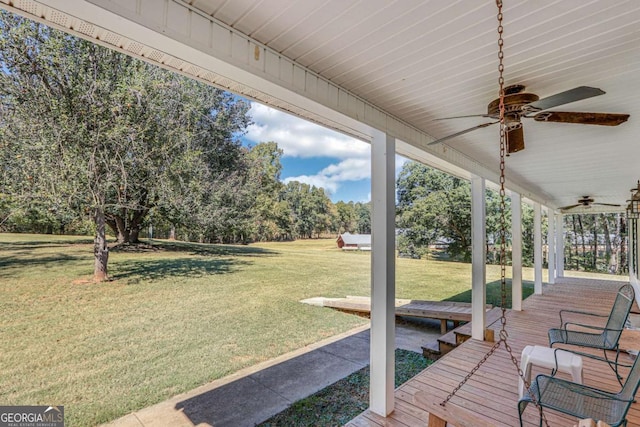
point(434, 218)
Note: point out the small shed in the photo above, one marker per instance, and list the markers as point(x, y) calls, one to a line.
point(348, 241)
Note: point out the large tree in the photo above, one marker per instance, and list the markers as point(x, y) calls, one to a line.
point(272, 213)
point(92, 130)
point(433, 206)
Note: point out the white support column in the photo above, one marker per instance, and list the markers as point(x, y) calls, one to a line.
point(383, 290)
point(636, 248)
point(516, 251)
point(633, 228)
point(559, 245)
point(551, 246)
point(537, 248)
point(632, 246)
point(478, 258)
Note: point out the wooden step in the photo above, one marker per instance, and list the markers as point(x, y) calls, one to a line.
point(447, 342)
point(431, 350)
point(463, 333)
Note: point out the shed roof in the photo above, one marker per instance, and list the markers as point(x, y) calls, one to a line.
point(356, 239)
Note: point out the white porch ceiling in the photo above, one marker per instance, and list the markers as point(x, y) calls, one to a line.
point(419, 60)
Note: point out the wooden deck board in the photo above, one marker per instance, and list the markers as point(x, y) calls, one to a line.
point(490, 397)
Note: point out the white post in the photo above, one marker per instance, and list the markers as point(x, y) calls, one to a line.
point(383, 290)
point(632, 246)
point(559, 245)
point(551, 246)
point(478, 258)
point(537, 248)
point(516, 251)
point(636, 247)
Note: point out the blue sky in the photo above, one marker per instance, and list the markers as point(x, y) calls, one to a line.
point(316, 155)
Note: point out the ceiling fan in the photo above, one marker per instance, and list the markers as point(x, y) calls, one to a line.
point(519, 104)
point(586, 202)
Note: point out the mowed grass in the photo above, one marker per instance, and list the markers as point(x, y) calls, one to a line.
point(174, 318)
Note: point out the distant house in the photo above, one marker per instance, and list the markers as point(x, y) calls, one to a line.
point(348, 241)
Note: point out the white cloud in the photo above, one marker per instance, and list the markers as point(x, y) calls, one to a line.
point(300, 138)
point(331, 177)
point(303, 139)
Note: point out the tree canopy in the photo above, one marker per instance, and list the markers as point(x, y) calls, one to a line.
point(91, 130)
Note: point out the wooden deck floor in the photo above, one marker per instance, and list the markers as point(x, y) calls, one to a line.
point(490, 397)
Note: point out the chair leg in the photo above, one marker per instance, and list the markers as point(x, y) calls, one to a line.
point(540, 411)
point(614, 364)
point(522, 405)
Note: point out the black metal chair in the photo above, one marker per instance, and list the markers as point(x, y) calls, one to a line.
point(582, 401)
point(604, 338)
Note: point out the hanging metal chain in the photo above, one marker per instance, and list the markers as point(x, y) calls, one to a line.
point(502, 216)
point(503, 233)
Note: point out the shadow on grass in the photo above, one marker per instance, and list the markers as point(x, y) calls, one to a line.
point(494, 294)
point(31, 245)
point(210, 249)
point(10, 266)
point(137, 271)
point(207, 258)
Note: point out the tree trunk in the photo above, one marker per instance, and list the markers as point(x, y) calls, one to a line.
point(100, 248)
point(172, 232)
point(116, 223)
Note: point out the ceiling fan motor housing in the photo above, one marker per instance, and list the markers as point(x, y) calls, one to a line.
point(513, 104)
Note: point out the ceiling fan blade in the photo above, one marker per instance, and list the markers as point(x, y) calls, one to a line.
point(462, 132)
point(603, 119)
point(515, 140)
point(463, 117)
point(565, 208)
point(572, 95)
point(606, 204)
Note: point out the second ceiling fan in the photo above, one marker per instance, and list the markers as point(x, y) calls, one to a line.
point(585, 202)
point(519, 104)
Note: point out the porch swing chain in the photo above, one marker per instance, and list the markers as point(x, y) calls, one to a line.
point(503, 232)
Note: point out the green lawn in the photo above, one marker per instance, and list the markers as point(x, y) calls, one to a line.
point(174, 318)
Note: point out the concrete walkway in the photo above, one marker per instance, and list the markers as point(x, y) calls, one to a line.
point(255, 394)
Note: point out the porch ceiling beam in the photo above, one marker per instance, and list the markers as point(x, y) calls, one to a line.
point(174, 35)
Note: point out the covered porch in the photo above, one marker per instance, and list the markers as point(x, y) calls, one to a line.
point(384, 74)
point(490, 396)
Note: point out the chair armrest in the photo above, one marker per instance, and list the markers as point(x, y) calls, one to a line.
point(584, 313)
point(596, 328)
